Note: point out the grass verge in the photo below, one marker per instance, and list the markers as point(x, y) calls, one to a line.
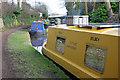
point(27, 62)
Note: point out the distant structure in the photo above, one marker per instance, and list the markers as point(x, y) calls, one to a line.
point(57, 16)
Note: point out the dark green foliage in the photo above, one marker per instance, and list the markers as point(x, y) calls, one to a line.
point(17, 18)
point(18, 11)
point(100, 14)
point(115, 7)
point(45, 15)
point(8, 20)
point(25, 15)
point(69, 7)
point(79, 8)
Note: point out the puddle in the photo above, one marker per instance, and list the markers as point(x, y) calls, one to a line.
point(38, 40)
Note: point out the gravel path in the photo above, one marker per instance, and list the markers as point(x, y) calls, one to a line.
point(7, 69)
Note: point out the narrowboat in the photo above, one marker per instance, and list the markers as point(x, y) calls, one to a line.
point(87, 51)
point(37, 41)
point(37, 28)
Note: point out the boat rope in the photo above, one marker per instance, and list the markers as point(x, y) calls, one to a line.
point(37, 26)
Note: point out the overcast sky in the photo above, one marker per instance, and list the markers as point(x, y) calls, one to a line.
point(54, 6)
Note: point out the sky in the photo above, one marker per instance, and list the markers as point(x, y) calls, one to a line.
point(54, 6)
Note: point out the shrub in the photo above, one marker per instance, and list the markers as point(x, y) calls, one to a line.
point(115, 7)
point(99, 15)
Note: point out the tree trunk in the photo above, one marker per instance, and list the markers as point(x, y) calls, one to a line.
point(18, 1)
point(12, 3)
point(23, 4)
point(4, 3)
point(119, 7)
point(94, 5)
point(72, 7)
point(108, 8)
point(86, 8)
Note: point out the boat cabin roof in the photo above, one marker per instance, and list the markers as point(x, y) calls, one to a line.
point(111, 29)
point(101, 25)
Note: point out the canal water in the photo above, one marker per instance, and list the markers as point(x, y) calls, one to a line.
point(38, 40)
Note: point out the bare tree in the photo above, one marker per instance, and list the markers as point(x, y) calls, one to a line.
point(23, 4)
point(108, 8)
point(69, 7)
point(86, 7)
point(72, 9)
point(7, 8)
point(41, 8)
point(94, 5)
point(18, 2)
point(12, 3)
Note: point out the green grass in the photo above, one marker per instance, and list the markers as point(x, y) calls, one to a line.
point(27, 62)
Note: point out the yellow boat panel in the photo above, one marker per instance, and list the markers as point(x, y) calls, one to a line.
point(72, 55)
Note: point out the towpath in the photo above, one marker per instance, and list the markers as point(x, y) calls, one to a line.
point(7, 71)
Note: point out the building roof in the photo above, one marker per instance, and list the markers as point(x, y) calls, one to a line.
point(53, 16)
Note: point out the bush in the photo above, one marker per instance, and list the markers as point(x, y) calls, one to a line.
point(8, 21)
point(99, 15)
point(115, 7)
point(13, 20)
